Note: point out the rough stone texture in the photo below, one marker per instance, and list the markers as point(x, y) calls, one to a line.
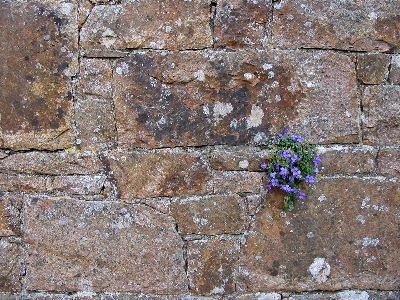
point(161, 174)
point(79, 184)
point(236, 182)
point(205, 98)
point(346, 295)
point(210, 215)
point(373, 68)
point(347, 160)
point(38, 51)
point(239, 24)
point(56, 163)
point(211, 265)
point(9, 267)
point(389, 162)
point(74, 245)
point(344, 25)
point(343, 236)
point(16, 183)
point(381, 107)
point(148, 24)
point(95, 77)
point(10, 207)
point(84, 9)
point(394, 74)
point(95, 124)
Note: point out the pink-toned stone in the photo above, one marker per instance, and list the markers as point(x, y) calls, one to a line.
point(212, 265)
point(9, 267)
point(84, 9)
point(93, 246)
point(95, 123)
point(237, 182)
point(56, 163)
point(161, 174)
point(347, 160)
point(373, 68)
point(381, 108)
point(10, 222)
point(210, 215)
point(369, 25)
point(19, 183)
point(148, 24)
point(39, 55)
point(95, 77)
point(80, 185)
point(207, 98)
point(344, 235)
point(239, 24)
point(394, 74)
point(256, 296)
point(389, 162)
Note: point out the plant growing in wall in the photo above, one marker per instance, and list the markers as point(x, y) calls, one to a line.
point(292, 161)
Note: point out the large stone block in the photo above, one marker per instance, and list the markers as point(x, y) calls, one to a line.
point(10, 222)
point(55, 163)
point(23, 183)
point(239, 24)
point(9, 266)
point(92, 246)
point(219, 97)
point(373, 68)
point(166, 173)
point(80, 185)
point(389, 162)
point(95, 77)
point(344, 235)
point(394, 74)
point(210, 215)
point(381, 108)
point(39, 55)
point(237, 182)
point(346, 25)
point(148, 24)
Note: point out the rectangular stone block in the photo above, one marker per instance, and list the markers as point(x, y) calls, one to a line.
point(23, 183)
point(347, 160)
point(344, 235)
point(219, 97)
point(100, 246)
point(160, 174)
point(373, 68)
point(210, 215)
point(55, 163)
point(394, 74)
point(211, 265)
point(389, 162)
point(9, 267)
point(240, 24)
point(39, 54)
point(237, 182)
point(381, 115)
point(369, 25)
point(95, 77)
point(79, 185)
point(148, 24)
point(10, 207)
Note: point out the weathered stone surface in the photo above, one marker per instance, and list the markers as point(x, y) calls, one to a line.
point(394, 74)
point(207, 97)
point(9, 267)
point(373, 68)
point(237, 158)
point(19, 183)
point(95, 77)
point(346, 25)
point(148, 24)
point(255, 296)
point(81, 185)
point(84, 9)
point(239, 24)
point(38, 51)
point(212, 265)
point(237, 182)
point(8, 296)
point(95, 124)
point(162, 174)
point(389, 162)
point(381, 107)
point(56, 163)
point(74, 245)
point(347, 160)
point(210, 215)
point(343, 236)
point(10, 222)
point(346, 295)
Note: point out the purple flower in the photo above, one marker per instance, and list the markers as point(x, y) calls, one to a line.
point(286, 154)
point(310, 179)
point(263, 165)
point(302, 196)
point(268, 187)
point(296, 173)
point(295, 158)
point(291, 179)
point(284, 171)
point(272, 175)
point(274, 182)
point(286, 188)
point(297, 138)
point(316, 170)
point(277, 166)
point(294, 191)
point(284, 133)
point(317, 160)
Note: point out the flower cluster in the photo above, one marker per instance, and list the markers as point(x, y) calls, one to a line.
point(292, 161)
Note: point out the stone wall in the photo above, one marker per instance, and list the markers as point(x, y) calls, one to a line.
point(132, 132)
